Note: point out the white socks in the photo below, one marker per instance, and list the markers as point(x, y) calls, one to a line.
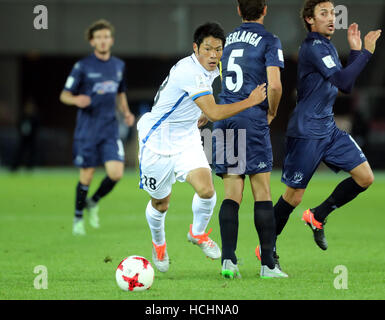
point(202, 211)
point(155, 221)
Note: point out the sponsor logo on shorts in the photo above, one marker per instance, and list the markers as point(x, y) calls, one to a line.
point(79, 160)
point(262, 165)
point(297, 178)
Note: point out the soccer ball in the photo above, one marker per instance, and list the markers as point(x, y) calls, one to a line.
point(134, 273)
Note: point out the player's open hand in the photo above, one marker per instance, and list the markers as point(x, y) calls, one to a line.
point(258, 94)
point(370, 40)
point(354, 37)
point(82, 101)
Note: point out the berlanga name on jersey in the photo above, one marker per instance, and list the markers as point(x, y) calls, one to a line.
point(249, 37)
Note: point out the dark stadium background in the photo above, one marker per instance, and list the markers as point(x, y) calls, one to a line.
point(151, 35)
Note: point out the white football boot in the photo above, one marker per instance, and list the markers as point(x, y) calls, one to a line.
point(208, 246)
point(78, 228)
point(230, 270)
point(160, 257)
point(267, 273)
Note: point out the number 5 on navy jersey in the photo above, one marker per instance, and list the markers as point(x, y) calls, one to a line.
point(233, 66)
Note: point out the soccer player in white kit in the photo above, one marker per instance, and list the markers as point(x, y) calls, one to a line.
point(170, 146)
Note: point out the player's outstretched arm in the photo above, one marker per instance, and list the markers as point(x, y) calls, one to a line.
point(344, 79)
point(217, 112)
point(81, 100)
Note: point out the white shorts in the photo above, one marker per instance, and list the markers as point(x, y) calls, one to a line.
point(159, 172)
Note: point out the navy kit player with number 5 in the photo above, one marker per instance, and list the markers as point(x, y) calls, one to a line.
point(312, 135)
point(251, 56)
point(93, 86)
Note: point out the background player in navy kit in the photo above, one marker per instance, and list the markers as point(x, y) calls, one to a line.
point(312, 135)
point(251, 56)
point(93, 86)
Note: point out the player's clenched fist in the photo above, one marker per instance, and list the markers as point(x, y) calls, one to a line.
point(82, 101)
point(258, 94)
point(370, 40)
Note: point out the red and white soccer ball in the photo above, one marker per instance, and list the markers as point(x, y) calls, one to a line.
point(134, 273)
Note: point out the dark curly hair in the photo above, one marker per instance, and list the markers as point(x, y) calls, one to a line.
point(307, 10)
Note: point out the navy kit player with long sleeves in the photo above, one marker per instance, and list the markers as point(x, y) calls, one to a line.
point(312, 136)
point(320, 76)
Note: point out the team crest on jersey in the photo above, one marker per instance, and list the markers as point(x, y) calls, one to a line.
point(105, 87)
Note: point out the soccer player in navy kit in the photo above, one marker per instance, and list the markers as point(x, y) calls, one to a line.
point(312, 135)
point(93, 86)
point(251, 56)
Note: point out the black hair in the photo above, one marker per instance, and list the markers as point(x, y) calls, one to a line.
point(208, 29)
point(251, 10)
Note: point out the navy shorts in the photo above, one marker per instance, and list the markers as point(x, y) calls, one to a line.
point(90, 155)
point(338, 151)
point(241, 146)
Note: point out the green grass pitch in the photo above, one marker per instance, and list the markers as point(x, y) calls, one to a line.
point(36, 213)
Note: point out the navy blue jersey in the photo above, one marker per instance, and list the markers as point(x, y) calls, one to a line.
point(249, 49)
point(101, 80)
point(313, 115)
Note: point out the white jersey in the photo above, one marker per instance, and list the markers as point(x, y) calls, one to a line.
point(171, 126)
